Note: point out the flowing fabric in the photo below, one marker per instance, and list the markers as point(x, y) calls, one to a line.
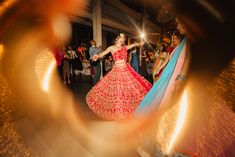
point(162, 88)
point(208, 128)
point(118, 94)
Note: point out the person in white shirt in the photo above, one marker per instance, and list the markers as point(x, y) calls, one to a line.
point(73, 57)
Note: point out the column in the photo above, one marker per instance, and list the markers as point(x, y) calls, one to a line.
point(97, 22)
point(97, 25)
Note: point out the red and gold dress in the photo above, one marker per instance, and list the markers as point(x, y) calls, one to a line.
point(118, 94)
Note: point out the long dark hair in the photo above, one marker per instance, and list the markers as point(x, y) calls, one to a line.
point(118, 37)
point(177, 34)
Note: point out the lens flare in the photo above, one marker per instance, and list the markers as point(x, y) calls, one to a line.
point(45, 85)
point(142, 35)
point(44, 66)
point(180, 121)
point(211, 9)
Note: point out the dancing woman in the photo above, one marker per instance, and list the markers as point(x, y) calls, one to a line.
point(119, 93)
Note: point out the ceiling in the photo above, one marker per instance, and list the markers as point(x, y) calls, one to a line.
point(160, 11)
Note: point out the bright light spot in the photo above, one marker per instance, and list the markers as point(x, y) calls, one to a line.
point(180, 121)
point(142, 35)
point(1, 51)
point(46, 80)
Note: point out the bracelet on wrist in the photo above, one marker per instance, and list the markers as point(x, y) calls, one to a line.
point(181, 78)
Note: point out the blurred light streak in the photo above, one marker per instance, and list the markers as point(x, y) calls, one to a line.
point(1, 50)
point(215, 12)
point(44, 65)
point(180, 121)
point(6, 5)
point(46, 80)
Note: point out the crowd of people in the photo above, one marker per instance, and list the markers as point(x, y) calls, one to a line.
point(77, 61)
point(150, 63)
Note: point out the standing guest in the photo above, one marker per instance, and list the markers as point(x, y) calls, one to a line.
point(82, 52)
point(66, 66)
point(93, 50)
point(73, 57)
point(58, 54)
point(135, 59)
point(86, 52)
point(149, 67)
point(143, 65)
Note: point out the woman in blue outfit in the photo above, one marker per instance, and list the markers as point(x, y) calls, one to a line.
point(135, 59)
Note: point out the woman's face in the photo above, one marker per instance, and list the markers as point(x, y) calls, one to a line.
point(93, 43)
point(175, 40)
point(121, 39)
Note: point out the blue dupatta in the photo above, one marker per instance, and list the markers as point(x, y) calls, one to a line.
point(153, 98)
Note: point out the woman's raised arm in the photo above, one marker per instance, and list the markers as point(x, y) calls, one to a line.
point(134, 45)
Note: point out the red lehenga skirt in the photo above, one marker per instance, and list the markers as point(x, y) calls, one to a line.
point(118, 94)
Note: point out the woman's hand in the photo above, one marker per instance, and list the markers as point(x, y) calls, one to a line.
point(95, 57)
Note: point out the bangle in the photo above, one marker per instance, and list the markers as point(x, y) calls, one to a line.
point(181, 78)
